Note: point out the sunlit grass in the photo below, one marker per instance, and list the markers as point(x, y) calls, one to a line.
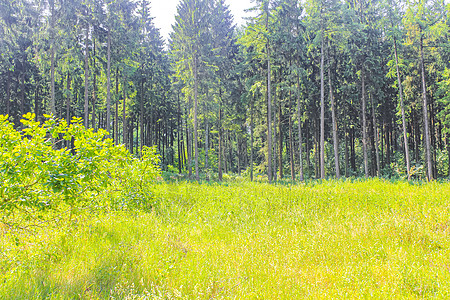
point(365, 239)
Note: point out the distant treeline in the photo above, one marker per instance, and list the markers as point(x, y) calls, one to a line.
point(306, 89)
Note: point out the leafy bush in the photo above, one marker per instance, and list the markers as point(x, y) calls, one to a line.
point(135, 190)
point(38, 173)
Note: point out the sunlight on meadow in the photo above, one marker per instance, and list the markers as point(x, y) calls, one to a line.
point(364, 239)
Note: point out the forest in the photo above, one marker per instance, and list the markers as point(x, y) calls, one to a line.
point(303, 155)
point(306, 89)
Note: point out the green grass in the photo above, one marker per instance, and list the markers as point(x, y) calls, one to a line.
point(364, 239)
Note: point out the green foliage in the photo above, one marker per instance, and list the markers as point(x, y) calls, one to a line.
point(135, 189)
point(358, 239)
point(38, 174)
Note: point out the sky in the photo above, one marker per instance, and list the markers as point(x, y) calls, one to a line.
point(164, 13)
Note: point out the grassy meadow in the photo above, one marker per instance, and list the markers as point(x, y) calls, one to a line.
point(371, 239)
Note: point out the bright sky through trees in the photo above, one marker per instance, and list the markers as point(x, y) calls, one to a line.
point(164, 13)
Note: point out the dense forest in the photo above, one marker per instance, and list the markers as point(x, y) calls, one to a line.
point(306, 89)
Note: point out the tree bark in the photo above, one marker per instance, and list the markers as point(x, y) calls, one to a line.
point(364, 123)
point(300, 140)
point(94, 90)
point(425, 113)
point(322, 107)
point(52, 58)
point(269, 108)
point(108, 85)
point(335, 129)
point(280, 141)
point(291, 142)
point(197, 175)
point(124, 114)
point(402, 106)
point(375, 135)
point(116, 112)
point(220, 154)
point(8, 93)
point(141, 116)
point(86, 78)
point(251, 140)
point(189, 139)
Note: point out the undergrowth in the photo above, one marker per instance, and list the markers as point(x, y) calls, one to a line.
point(371, 239)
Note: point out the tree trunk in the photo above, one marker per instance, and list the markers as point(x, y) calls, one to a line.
point(52, 59)
point(280, 141)
point(141, 116)
point(86, 78)
point(335, 129)
point(108, 85)
point(189, 139)
point(322, 108)
point(36, 100)
point(124, 114)
point(251, 140)
point(22, 93)
point(94, 90)
point(8, 93)
point(68, 99)
point(375, 135)
point(220, 154)
point(425, 114)
point(116, 112)
point(206, 149)
point(300, 140)
point(364, 123)
point(179, 132)
point(197, 176)
point(269, 119)
point(402, 106)
point(291, 142)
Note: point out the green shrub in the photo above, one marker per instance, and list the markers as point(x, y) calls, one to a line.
point(39, 174)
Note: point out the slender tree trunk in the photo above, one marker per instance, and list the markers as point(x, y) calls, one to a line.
point(52, 59)
point(206, 148)
point(108, 85)
point(220, 154)
point(335, 129)
point(94, 90)
point(189, 139)
point(68, 99)
point(300, 140)
point(322, 108)
point(22, 93)
point(347, 157)
point(197, 176)
point(36, 100)
point(269, 118)
point(280, 141)
point(274, 137)
point(375, 135)
point(86, 78)
point(291, 142)
point(8, 93)
point(402, 106)
point(179, 132)
point(447, 140)
point(251, 140)
point(425, 113)
point(364, 123)
point(141, 116)
point(116, 112)
point(124, 113)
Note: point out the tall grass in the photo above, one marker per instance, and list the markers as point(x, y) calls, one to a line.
point(334, 239)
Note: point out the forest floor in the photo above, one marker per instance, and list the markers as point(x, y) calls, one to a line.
point(370, 239)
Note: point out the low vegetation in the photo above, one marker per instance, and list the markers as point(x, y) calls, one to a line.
point(360, 239)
